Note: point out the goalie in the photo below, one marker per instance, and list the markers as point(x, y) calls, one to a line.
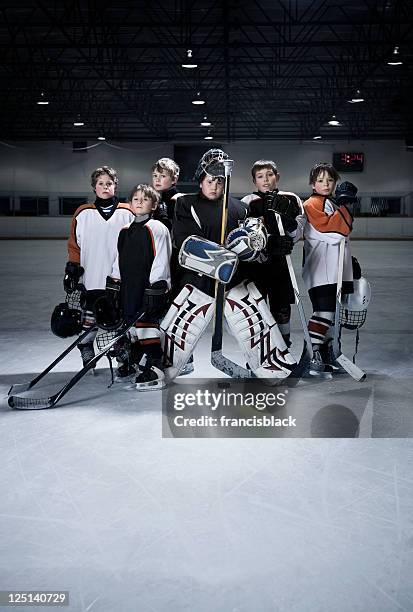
point(197, 232)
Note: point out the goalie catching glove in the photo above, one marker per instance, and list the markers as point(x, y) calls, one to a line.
point(248, 240)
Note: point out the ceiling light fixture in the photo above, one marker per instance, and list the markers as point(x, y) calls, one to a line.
point(317, 137)
point(189, 63)
point(78, 123)
point(208, 137)
point(42, 101)
point(395, 58)
point(205, 122)
point(198, 99)
point(101, 138)
point(357, 97)
point(334, 121)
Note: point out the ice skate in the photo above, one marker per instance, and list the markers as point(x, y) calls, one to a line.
point(150, 378)
point(318, 368)
point(125, 372)
point(329, 358)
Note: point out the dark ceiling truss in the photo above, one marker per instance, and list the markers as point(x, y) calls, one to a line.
point(268, 69)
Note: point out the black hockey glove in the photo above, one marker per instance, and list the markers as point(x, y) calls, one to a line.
point(346, 194)
point(278, 246)
point(107, 307)
point(156, 300)
point(286, 206)
point(73, 272)
point(270, 222)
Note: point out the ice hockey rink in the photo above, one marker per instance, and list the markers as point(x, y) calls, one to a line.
point(96, 502)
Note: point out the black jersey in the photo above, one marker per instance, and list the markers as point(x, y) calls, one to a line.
point(144, 249)
point(272, 277)
point(196, 215)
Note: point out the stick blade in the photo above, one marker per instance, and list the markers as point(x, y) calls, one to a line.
point(232, 369)
point(30, 403)
point(351, 368)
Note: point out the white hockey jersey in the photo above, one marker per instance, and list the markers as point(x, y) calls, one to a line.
point(93, 242)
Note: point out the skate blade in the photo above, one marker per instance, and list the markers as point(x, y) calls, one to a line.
point(157, 387)
point(321, 375)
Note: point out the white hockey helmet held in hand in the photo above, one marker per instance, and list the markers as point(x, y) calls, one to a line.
point(360, 299)
point(353, 310)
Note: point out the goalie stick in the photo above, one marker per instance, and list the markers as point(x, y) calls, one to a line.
point(22, 387)
point(218, 360)
point(27, 403)
point(346, 363)
point(307, 348)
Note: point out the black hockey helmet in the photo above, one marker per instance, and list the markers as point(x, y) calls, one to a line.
point(107, 315)
point(65, 321)
point(211, 163)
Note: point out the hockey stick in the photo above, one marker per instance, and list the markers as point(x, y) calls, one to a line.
point(218, 360)
point(25, 403)
point(346, 363)
point(307, 339)
point(22, 387)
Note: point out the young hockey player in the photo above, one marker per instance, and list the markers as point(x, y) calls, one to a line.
point(201, 214)
point(272, 277)
point(144, 250)
point(92, 247)
point(329, 219)
point(165, 174)
point(247, 315)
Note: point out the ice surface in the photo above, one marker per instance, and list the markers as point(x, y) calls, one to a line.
point(94, 501)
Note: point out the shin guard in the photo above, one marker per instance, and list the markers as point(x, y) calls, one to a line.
point(183, 325)
point(251, 322)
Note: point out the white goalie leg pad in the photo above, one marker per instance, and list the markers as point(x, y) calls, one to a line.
point(183, 325)
point(251, 322)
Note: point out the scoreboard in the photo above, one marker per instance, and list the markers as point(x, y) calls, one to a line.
point(348, 162)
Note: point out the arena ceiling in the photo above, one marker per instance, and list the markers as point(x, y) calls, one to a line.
point(267, 69)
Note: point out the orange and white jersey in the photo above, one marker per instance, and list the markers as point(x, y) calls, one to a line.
point(326, 226)
point(93, 242)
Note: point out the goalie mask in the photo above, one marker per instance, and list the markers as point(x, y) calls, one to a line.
point(353, 310)
point(211, 163)
point(65, 321)
point(248, 240)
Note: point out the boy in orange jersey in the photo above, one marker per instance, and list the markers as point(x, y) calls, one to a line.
point(329, 219)
point(92, 247)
